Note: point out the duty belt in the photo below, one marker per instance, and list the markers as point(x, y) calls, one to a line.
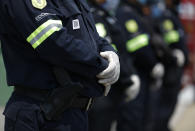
point(81, 102)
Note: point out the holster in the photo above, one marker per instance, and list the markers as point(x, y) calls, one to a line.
point(61, 98)
point(58, 101)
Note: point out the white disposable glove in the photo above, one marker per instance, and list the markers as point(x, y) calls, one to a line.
point(111, 74)
point(107, 89)
point(158, 71)
point(132, 91)
point(156, 84)
point(180, 57)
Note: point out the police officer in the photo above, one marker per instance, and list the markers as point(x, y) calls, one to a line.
point(137, 43)
point(127, 88)
point(173, 57)
point(163, 53)
point(56, 62)
point(170, 28)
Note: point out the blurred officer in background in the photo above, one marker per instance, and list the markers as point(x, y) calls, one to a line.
point(137, 43)
point(164, 55)
point(106, 109)
point(168, 41)
point(168, 25)
point(56, 62)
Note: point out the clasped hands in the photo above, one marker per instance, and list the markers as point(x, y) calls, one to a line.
point(111, 74)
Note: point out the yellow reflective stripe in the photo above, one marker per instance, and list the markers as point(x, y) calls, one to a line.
point(45, 36)
point(43, 26)
point(101, 29)
point(114, 46)
point(172, 36)
point(137, 43)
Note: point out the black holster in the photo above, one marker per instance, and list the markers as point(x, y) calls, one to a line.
point(61, 98)
point(58, 101)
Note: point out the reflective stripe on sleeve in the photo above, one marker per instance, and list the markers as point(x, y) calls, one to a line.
point(43, 32)
point(114, 46)
point(138, 42)
point(171, 36)
point(101, 29)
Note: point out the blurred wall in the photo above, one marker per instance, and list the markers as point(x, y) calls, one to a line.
point(5, 91)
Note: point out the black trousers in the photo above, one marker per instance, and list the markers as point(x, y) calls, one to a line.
point(24, 114)
point(132, 115)
point(166, 99)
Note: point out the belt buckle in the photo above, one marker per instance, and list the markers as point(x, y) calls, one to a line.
point(89, 104)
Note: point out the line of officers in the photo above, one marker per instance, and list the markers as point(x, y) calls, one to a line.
point(150, 41)
point(38, 35)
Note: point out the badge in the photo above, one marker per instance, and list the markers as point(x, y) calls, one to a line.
point(168, 25)
point(131, 26)
point(39, 4)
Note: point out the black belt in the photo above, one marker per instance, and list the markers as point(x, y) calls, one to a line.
point(81, 102)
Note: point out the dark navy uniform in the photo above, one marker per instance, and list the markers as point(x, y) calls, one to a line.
point(170, 27)
point(109, 28)
point(37, 35)
point(137, 44)
point(171, 30)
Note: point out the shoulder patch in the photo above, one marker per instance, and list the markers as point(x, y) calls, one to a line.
point(39, 4)
point(168, 25)
point(131, 26)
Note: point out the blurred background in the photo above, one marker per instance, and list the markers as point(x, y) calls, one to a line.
point(183, 117)
point(5, 91)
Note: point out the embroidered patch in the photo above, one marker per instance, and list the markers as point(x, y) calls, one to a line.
point(39, 4)
point(75, 24)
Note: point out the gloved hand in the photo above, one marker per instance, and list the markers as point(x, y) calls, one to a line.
point(111, 74)
point(180, 57)
point(158, 71)
point(132, 91)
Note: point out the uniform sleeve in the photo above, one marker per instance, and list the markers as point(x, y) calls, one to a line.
point(104, 45)
point(43, 29)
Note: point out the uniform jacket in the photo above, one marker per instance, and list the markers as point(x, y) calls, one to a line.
point(172, 31)
point(40, 34)
point(136, 37)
